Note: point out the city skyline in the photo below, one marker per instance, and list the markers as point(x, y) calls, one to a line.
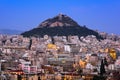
point(102, 15)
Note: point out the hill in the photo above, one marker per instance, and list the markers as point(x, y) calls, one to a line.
point(60, 25)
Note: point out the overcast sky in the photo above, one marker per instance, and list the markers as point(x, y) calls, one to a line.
point(102, 15)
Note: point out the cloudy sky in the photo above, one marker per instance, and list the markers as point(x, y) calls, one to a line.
point(102, 15)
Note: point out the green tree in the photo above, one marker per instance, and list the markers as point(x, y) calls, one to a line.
point(102, 68)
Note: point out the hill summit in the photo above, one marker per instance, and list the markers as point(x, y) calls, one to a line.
point(60, 25)
point(60, 20)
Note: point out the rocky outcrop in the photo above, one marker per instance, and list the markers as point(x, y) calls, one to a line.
point(60, 20)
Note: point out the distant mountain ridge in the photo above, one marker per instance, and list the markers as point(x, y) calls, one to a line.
point(60, 25)
point(10, 31)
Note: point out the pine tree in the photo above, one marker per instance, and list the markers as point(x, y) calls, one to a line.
point(105, 61)
point(30, 44)
point(102, 68)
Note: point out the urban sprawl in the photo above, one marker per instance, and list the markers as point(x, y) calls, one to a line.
point(59, 58)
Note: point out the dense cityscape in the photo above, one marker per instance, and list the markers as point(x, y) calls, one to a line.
point(59, 40)
point(59, 58)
